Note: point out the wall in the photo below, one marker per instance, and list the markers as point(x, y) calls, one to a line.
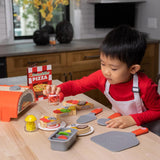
point(148, 19)
point(83, 21)
point(6, 22)
point(3, 31)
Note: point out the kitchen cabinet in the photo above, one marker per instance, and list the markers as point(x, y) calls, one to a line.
point(65, 66)
point(3, 68)
point(149, 63)
point(17, 65)
point(73, 65)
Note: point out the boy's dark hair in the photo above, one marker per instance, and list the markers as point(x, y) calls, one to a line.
point(126, 44)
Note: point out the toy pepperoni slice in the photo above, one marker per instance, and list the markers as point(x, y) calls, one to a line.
point(73, 101)
point(62, 137)
point(57, 111)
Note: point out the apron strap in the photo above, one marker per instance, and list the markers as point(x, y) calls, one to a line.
point(136, 92)
point(107, 86)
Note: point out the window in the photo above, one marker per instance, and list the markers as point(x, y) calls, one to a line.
point(27, 18)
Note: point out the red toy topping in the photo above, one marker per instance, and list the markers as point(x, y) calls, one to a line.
point(45, 120)
point(53, 98)
point(72, 101)
point(57, 111)
point(62, 137)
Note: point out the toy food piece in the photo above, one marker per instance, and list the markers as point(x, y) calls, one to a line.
point(38, 89)
point(66, 111)
point(63, 133)
point(31, 123)
point(79, 104)
point(53, 99)
point(48, 122)
point(81, 128)
point(62, 137)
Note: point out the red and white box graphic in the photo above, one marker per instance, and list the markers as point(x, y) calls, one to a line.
point(38, 78)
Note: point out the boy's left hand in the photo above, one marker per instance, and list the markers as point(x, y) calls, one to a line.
point(121, 122)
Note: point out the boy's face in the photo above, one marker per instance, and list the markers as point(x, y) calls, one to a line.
point(114, 70)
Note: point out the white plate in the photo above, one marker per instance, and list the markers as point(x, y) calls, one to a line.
point(91, 131)
point(61, 125)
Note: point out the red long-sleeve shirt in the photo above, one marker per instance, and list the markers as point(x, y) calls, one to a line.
point(120, 92)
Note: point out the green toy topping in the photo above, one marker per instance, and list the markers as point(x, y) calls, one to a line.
point(64, 110)
point(63, 133)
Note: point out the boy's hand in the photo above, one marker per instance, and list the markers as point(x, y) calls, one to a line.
point(121, 122)
point(52, 90)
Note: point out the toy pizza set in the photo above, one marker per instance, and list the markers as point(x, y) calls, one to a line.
point(38, 78)
point(14, 99)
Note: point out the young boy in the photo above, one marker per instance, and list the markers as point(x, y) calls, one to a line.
point(130, 92)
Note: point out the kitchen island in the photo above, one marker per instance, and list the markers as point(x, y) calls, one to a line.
point(18, 144)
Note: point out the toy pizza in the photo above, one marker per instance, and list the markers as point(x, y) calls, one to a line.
point(80, 105)
point(49, 122)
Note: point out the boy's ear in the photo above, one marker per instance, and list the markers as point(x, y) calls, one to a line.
point(134, 68)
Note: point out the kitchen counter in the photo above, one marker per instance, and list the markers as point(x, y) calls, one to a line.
point(18, 144)
point(32, 48)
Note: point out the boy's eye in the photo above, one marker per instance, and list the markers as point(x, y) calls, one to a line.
point(114, 69)
point(102, 64)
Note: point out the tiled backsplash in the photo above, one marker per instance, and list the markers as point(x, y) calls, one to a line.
point(86, 20)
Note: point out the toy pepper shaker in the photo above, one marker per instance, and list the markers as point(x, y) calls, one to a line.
point(30, 123)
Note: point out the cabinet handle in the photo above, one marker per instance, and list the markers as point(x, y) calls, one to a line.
point(65, 77)
point(70, 75)
point(91, 57)
point(36, 62)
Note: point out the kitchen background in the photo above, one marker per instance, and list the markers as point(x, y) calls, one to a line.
point(82, 19)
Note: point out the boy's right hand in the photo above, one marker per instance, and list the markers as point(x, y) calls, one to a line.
point(53, 90)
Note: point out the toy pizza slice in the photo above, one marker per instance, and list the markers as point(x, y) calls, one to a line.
point(80, 105)
point(49, 122)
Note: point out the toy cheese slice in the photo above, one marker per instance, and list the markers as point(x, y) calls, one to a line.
point(13, 100)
